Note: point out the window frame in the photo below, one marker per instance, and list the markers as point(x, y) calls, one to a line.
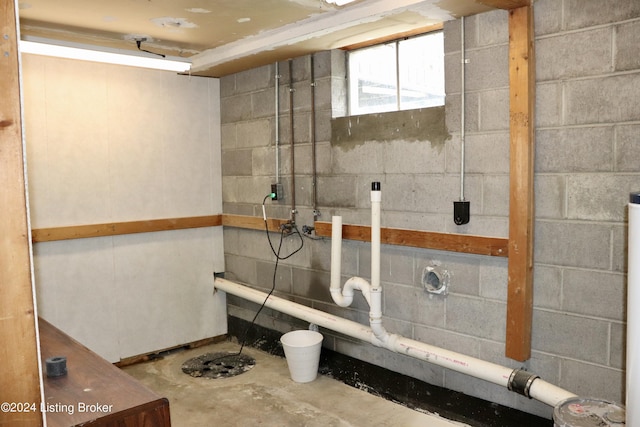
point(395, 40)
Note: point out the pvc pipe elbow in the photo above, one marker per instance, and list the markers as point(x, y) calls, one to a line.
point(391, 342)
point(360, 284)
point(381, 338)
point(339, 298)
point(379, 332)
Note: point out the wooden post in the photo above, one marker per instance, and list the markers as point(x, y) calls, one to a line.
point(521, 198)
point(19, 377)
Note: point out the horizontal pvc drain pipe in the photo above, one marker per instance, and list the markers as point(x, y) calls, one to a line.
point(514, 379)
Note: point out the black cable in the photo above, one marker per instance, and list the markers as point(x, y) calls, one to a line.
point(139, 43)
point(282, 231)
point(310, 237)
point(275, 275)
point(273, 288)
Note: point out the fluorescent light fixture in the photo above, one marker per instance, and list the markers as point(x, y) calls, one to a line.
point(113, 56)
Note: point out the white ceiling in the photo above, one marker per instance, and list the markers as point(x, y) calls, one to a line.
point(226, 36)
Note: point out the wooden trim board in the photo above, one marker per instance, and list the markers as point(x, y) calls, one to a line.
point(20, 374)
point(464, 243)
point(148, 226)
point(118, 228)
point(146, 357)
point(480, 245)
point(252, 222)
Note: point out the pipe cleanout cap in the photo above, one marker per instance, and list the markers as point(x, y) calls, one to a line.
point(634, 198)
point(375, 186)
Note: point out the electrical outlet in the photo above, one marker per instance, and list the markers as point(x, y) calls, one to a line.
point(276, 192)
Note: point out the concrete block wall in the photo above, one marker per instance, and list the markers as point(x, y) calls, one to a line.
point(587, 122)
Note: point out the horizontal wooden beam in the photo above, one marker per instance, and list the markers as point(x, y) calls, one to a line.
point(118, 228)
point(470, 244)
point(479, 245)
point(252, 222)
point(395, 36)
point(505, 4)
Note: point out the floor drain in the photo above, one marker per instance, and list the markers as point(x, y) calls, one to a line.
point(218, 365)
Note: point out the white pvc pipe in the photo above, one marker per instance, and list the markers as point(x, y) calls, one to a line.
point(376, 200)
point(540, 390)
point(357, 283)
point(633, 316)
point(376, 333)
point(336, 254)
point(277, 121)
point(336, 264)
point(320, 318)
point(343, 297)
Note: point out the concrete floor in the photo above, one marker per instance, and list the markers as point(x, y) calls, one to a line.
point(266, 396)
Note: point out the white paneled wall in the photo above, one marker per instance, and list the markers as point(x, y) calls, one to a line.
point(108, 143)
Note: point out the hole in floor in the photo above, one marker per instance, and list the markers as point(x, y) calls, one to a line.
point(218, 365)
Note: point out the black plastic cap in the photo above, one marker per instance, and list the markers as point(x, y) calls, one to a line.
point(375, 186)
point(634, 198)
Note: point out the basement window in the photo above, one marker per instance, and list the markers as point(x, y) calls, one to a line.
point(403, 74)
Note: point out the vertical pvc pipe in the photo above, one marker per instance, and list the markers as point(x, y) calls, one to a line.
point(633, 315)
point(336, 252)
point(314, 173)
point(376, 199)
point(277, 120)
point(292, 136)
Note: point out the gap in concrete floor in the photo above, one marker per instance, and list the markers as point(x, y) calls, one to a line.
point(266, 396)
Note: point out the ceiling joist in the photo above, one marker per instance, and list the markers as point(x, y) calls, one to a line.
point(505, 4)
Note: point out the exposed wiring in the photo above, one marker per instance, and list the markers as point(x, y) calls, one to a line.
point(306, 232)
point(139, 43)
point(291, 227)
point(283, 233)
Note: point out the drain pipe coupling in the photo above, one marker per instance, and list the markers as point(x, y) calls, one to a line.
point(520, 382)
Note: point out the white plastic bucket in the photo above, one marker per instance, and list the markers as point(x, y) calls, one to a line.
point(302, 351)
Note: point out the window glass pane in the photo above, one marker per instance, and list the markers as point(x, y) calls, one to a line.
point(421, 70)
point(372, 79)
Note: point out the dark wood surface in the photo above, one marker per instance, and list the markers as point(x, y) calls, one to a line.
point(94, 392)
